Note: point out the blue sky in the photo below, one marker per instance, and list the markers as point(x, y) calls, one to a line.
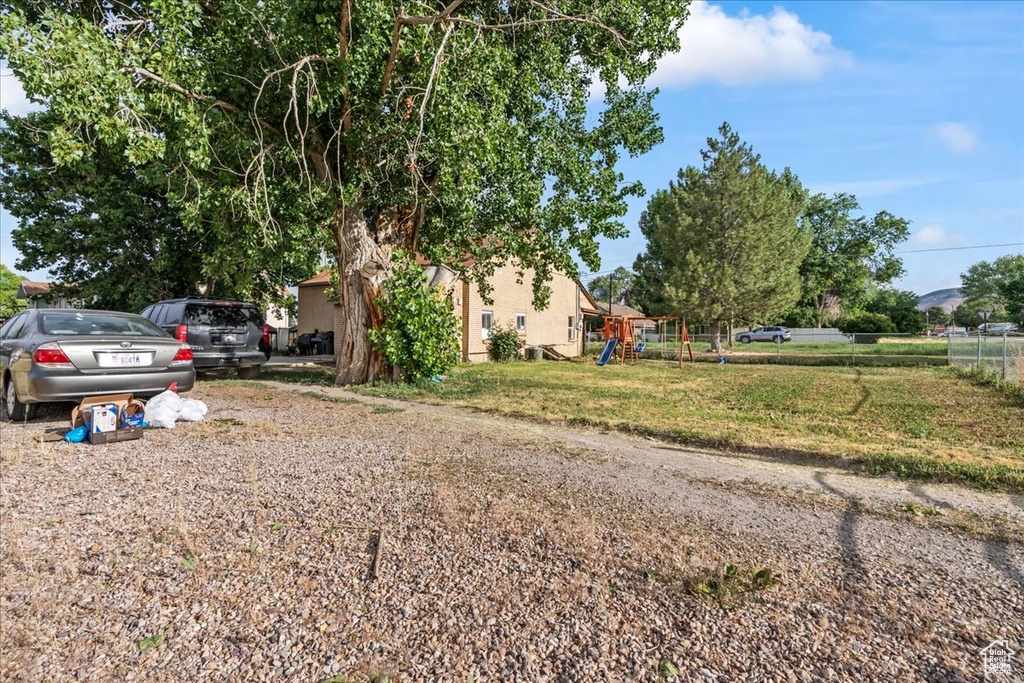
point(917, 108)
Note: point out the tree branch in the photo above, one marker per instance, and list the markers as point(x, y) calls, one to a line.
point(446, 15)
point(197, 97)
point(344, 31)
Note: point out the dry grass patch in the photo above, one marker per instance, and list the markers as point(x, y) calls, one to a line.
point(923, 422)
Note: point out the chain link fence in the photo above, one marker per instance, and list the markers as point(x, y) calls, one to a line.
point(1002, 353)
point(806, 347)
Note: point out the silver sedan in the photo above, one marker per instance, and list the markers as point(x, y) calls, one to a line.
point(54, 355)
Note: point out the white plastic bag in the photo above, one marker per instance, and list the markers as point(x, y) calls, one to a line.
point(192, 410)
point(163, 409)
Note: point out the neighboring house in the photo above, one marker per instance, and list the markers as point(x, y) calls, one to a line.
point(37, 295)
point(316, 311)
point(623, 310)
point(620, 309)
point(558, 326)
point(279, 321)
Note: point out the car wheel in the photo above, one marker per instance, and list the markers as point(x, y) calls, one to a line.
point(15, 410)
point(776, 339)
point(249, 372)
point(744, 340)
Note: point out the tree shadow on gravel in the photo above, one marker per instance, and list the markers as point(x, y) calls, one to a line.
point(1010, 564)
point(919, 491)
point(853, 561)
point(996, 552)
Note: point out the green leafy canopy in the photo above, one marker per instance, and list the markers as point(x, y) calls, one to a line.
point(467, 132)
point(996, 287)
point(472, 120)
point(848, 254)
point(9, 282)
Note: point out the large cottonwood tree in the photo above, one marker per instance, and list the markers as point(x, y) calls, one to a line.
point(109, 234)
point(723, 242)
point(849, 254)
point(451, 129)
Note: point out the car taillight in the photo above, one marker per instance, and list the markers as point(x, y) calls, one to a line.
point(266, 335)
point(183, 357)
point(50, 354)
point(181, 334)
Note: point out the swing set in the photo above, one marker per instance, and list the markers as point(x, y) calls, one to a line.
point(627, 333)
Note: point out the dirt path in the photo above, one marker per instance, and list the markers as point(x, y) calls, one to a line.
point(240, 549)
point(652, 460)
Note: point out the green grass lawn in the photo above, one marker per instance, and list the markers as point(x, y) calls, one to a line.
point(926, 422)
point(912, 351)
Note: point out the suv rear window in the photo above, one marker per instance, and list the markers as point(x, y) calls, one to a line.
point(212, 315)
point(73, 324)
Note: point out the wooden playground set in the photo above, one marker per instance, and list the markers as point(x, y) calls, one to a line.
point(624, 336)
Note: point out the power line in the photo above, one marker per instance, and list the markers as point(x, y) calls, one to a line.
point(980, 246)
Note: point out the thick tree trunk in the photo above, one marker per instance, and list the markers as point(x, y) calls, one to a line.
point(363, 266)
point(716, 336)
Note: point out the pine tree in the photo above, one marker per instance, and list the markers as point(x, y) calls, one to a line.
point(723, 240)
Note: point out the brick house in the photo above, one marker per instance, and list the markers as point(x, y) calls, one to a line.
point(559, 326)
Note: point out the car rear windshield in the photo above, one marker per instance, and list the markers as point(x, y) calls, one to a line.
point(213, 315)
point(70, 323)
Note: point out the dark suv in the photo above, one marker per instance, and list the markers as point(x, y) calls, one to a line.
point(222, 334)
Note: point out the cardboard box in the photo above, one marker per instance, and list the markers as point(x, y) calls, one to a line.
point(103, 418)
point(96, 438)
point(77, 413)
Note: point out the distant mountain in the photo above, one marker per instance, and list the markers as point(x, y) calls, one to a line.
point(947, 299)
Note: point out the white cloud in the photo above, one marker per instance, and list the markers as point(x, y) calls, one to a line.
point(747, 50)
point(934, 236)
point(12, 95)
point(956, 136)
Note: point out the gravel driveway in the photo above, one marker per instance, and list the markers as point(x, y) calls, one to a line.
point(242, 549)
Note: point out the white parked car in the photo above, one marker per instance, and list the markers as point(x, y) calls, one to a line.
point(997, 328)
point(774, 333)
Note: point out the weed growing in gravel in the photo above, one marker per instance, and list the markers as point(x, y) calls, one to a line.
point(276, 526)
point(730, 585)
point(149, 644)
point(330, 399)
point(234, 422)
point(387, 409)
point(189, 562)
point(921, 510)
point(667, 669)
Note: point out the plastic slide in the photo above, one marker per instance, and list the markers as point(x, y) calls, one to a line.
point(608, 352)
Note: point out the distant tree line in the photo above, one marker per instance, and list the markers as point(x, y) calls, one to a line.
point(994, 288)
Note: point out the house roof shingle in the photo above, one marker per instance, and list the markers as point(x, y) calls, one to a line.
point(32, 289)
point(321, 278)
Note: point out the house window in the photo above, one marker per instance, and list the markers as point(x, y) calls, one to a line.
point(486, 320)
point(521, 323)
point(572, 327)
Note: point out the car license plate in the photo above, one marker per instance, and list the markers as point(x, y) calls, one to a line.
point(124, 360)
point(228, 339)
